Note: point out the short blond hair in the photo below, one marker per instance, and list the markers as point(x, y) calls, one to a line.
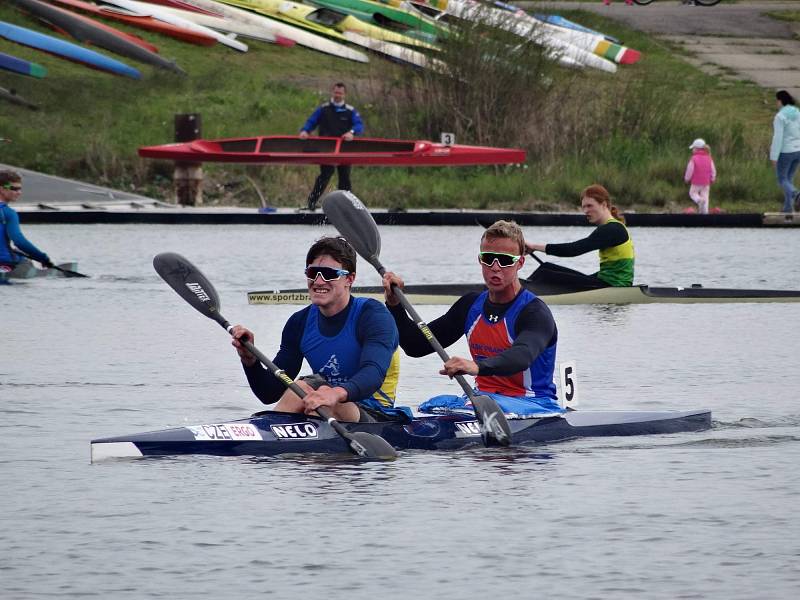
point(508, 230)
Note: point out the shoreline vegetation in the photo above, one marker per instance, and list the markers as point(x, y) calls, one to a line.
point(629, 131)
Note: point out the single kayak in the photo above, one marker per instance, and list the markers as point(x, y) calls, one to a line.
point(396, 18)
point(560, 21)
point(270, 433)
point(194, 21)
point(27, 270)
point(99, 34)
point(23, 67)
point(332, 151)
point(147, 22)
point(280, 31)
point(66, 50)
point(555, 285)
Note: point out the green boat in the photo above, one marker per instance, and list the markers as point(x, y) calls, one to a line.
point(390, 17)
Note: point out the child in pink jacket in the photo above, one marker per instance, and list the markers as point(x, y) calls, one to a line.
point(701, 173)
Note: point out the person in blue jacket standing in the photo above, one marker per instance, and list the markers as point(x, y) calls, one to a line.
point(10, 232)
point(335, 118)
point(785, 149)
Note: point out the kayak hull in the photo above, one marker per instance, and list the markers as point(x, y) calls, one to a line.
point(27, 270)
point(23, 67)
point(270, 433)
point(332, 151)
point(66, 50)
point(143, 22)
point(447, 294)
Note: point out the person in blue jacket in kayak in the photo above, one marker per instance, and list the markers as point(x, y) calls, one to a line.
point(511, 333)
point(14, 246)
point(350, 344)
point(335, 118)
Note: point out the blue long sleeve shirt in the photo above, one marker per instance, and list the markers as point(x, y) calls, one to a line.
point(377, 335)
point(10, 232)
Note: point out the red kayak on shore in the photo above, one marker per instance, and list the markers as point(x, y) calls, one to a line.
point(332, 151)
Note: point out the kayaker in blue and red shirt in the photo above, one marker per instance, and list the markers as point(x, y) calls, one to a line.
point(335, 118)
point(10, 232)
point(511, 333)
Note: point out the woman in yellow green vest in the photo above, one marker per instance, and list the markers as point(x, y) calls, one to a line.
point(611, 238)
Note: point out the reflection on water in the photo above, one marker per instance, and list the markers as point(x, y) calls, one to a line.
point(707, 514)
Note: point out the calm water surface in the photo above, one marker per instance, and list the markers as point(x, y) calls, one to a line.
point(698, 515)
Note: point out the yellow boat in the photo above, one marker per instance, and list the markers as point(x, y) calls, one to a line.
point(325, 21)
point(344, 22)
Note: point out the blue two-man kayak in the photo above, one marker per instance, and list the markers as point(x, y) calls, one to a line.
point(66, 50)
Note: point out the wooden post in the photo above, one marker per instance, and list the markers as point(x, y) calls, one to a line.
point(188, 177)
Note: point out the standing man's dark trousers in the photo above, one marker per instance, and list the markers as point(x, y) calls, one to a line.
point(325, 174)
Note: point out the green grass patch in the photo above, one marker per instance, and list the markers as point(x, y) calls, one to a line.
point(785, 15)
point(629, 131)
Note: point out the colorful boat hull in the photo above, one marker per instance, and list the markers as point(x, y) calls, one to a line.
point(23, 67)
point(84, 29)
point(278, 29)
point(143, 22)
point(396, 18)
point(560, 21)
point(274, 433)
point(66, 50)
point(332, 151)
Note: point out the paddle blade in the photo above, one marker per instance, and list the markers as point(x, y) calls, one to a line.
point(190, 284)
point(368, 445)
point(495, 429)
point(67, 272)
point(349, 215)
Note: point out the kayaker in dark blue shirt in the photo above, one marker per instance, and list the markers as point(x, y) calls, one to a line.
point(351, 342)
point(10, 232)
point(335, 118)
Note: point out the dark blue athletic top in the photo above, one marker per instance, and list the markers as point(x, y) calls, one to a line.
point(376, 334)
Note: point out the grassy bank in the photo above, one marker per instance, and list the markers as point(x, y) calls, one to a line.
point(629, 131)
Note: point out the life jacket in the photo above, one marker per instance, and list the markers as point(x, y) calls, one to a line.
point(338, 358)
point(335, 121)
point(616, 262)
point(487, 339)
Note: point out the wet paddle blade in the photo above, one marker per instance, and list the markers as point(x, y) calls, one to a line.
point(495, 429)
point(368, 445)
point(190, 284)
point(67, 272)
point(349, 215)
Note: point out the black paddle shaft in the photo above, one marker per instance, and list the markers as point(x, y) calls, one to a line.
point(66, 272)
point(191, 285)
